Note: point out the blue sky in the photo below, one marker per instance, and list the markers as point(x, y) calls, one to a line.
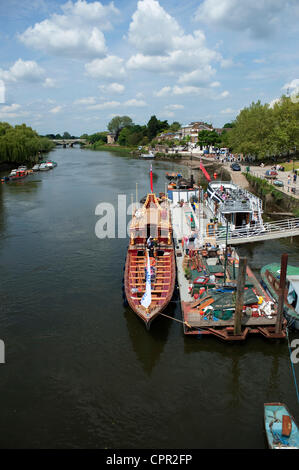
point(73, 65)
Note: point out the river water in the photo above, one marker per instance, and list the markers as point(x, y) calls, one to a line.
point(81, 370)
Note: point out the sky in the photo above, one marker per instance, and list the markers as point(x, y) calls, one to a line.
point(74, 65)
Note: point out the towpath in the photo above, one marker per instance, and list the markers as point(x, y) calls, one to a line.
point(238, 178)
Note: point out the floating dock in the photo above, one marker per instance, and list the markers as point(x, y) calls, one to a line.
point(207, 276)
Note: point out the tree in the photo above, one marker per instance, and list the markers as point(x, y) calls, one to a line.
point(118, 123)
point(155, 126)
point(175, 126)
point(21, 144)
point(66, 135)
point(206, 138)
point(262, 130)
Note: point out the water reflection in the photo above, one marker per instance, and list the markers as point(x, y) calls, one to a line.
point(149, 345)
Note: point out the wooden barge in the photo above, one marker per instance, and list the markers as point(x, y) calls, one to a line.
point(150, 272)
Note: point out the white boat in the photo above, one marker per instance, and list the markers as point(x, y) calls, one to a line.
point(235, 206)
point(36, 167)
point(147, 155)
point(13, 172)
point(44, 167)
point(51, 164)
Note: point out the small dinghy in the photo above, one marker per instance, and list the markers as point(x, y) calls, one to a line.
point(281, 429)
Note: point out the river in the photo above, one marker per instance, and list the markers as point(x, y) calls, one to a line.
point(81, 370)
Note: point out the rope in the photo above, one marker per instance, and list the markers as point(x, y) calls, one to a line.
point(175, 319)
point(292, 365)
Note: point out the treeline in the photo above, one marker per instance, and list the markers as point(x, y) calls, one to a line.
point(265, 131)
point(65, 135)
point(126, 133)
point(21, 144)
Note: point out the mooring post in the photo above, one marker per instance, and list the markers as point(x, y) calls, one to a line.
point(240, 295)
point(281, 292)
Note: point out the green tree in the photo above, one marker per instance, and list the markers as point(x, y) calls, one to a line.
point(206, 138)
point(66, 135)
point(21, 144)
point(155, 126)
point(118, 123)
point(175, 126)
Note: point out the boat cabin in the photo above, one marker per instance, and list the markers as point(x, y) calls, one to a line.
point(153, 219)
point(230, 203)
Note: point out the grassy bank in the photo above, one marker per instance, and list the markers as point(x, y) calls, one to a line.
point(111, 148)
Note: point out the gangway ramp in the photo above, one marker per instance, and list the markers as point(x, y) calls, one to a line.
point(267, 231)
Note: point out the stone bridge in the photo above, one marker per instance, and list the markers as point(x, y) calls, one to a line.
point(69, 142)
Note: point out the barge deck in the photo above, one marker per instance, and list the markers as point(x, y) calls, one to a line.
point(203, 269)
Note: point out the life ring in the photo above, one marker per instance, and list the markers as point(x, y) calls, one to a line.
point(152, 261)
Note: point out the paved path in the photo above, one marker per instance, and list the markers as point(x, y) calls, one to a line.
point(241, 180)
point(282, 176)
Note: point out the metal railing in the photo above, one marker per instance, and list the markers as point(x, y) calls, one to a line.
point(282, 227)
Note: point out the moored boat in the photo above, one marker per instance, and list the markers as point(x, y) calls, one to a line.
point(44, 167)
point(147, 155)
point(150, 271)
point(270, 275)
point(280, 426)
point(235, 206)
point(17, 174)
point(36, 167)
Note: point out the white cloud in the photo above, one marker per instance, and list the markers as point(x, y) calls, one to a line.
point(224, 94)
point(291, 85)
point(109, 68)
point(10, 108)
point(49, 83)
point(168, 114)
point(228, 111)
point(112, 88)
point(152, 30)
point(2, 91)
point(163, 92)
point(23, 71)
point(134, 102)
point(86, 101)
point(174, 106)
point(76, 33)
point(106, 105)
point(12, 111)
point(274, 102)
point(56, 110)
point(258, 17)
point(163, 47)
point(208, 92)
point(198, 77)
point(187, 90)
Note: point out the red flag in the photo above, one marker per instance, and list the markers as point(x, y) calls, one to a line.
point(151, 175)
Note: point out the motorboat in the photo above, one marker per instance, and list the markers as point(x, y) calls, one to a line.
point(270, 275)
point(44, 167)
